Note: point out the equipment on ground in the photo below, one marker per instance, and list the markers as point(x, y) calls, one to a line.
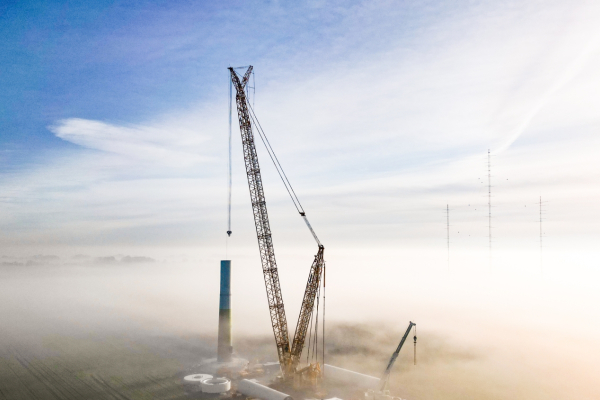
point(289, 356)
point(386, 375)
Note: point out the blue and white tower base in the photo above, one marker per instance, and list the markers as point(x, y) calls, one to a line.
point(225, 360)
point(224, 347)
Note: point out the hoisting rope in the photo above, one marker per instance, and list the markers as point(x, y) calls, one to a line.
point(229, 165)
point(415, 338)
point(316, 340)
point(313, 341)
point(229, 232)
point(324, 270)
point(312, 316)
point(276, 162)
point(281, 172)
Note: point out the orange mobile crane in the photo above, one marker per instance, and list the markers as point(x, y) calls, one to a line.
point(289, 356)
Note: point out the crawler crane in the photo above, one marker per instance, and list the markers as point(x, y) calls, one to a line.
point(289, 355)
point(386, 375)
point(383, 392)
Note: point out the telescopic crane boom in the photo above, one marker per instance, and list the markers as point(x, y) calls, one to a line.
point(386, 375)
point(289, 357)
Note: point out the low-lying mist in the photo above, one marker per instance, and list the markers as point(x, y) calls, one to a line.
point(131, 324)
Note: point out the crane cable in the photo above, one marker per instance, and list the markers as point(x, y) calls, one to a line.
point(324, 282)
point(316, 339)
point(312, 317)
point(276, 162)
point(281, 172)
point(229, 232)
point(415, 338)
point(229, 164)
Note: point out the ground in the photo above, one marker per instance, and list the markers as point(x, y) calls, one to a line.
point(94, 368)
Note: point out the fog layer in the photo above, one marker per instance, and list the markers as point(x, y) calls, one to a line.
point(82, 320)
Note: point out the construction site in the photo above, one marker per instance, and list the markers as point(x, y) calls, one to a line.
point(398, 164)
point(301, 371)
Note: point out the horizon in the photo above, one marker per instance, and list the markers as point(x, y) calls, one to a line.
point(114, 169)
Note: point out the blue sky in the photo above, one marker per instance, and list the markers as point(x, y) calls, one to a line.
point(112, 61)
point(114, 118)
point(128, 62)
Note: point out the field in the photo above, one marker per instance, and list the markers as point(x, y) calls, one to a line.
point(97, 368)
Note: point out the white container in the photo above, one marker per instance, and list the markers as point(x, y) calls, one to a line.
point(350, 377)
point(215, 385)
point(251, 388)
point(195, 379)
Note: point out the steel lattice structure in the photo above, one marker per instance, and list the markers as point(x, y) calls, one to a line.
point(308, 303)
point(288, 358)
point(261, 221)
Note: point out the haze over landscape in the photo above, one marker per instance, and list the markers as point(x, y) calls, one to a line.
point(113, 184)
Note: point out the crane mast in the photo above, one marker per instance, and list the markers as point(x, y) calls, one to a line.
point(261, 221)
point(289, 358)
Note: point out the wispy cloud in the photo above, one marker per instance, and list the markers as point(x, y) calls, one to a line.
point(570, 73)
point(170, 145)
